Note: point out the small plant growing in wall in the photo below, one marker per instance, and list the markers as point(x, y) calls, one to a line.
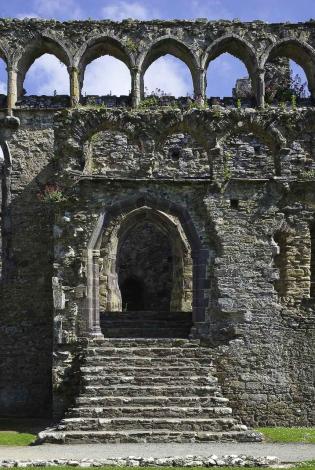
point(307, 174)
point(148, 102)
point(227, 171)
point(238, 103)
point(131, 45)
point(293, 102)
point(51, 193)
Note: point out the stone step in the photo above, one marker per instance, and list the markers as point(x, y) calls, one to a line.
point(145, 342)
point(153, 315)
point(167, 352)
point(142, 361)
point(149, 412)
point(146, 436)
point(145, 390)
point(218, 424)
point(173, 371)
point(157, 380)
point(153, 401)
point(153, 332)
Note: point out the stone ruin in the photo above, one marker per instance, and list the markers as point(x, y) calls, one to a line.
point(157, 258)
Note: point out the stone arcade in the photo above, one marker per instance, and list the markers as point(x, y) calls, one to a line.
point(158, 263)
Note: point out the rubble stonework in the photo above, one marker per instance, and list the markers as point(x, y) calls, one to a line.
point(231, 190)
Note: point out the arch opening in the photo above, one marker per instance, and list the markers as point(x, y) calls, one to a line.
point(104, 72)
point(173, 70)
point(3, 83)
point(106, 76)
point(101, 262)
point(295, 63)
point(167, 76)
point(144, 262)
point(243, 62)
point(46, 76)
point(228, 80)
point(43, 47)
point(149, 251)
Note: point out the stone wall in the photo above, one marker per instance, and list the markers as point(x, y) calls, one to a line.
point(263, 48)
point(232, 189)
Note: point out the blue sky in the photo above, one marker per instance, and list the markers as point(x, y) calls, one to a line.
point(169, 74)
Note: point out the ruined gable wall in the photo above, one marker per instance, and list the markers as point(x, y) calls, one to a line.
point(240, 175)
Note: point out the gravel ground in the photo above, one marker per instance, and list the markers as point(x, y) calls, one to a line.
point(285, 452)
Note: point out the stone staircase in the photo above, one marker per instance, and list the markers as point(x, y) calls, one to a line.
point(149, 390)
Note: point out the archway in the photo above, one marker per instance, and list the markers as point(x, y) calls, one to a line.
point(174, 58)
point(149, 250)
point(228, 77)
point(190, 257)
point(144, 267)
point(238, 48)
point(106, 75)
point(291, 52)
point(47, 76)
point(40, 47)
point(3, 83)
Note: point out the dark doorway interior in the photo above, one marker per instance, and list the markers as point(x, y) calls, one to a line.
point(132, 294)
point(145, 269)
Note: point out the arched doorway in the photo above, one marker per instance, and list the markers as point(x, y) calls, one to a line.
point(145, 267)
point(149, 250)
point(177, 251)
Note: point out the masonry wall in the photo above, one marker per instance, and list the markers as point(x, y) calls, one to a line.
point(26, 300)
point(242, 181)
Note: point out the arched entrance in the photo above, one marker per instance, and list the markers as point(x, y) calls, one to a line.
point(144, 267)
point(145, 255)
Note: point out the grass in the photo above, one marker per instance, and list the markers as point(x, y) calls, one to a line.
point(303, 435)
point(14, 438)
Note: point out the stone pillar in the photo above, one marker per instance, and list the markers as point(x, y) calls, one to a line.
point(12, 89)
point(200, 85)
point(260, 88)
point(135, 87)
point(93, 296)
point(74, 86)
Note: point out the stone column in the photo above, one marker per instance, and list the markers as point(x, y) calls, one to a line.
point(135, 86)
point(12, 89)
point(200, 85)
point(74, 86)
point(260, 88)
point(93, 296)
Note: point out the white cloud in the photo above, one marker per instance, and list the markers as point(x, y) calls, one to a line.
point(105, 75)
point(54, 9)
point(3, 88)
point(211, 9)
point(122, 9)
point(46, 75)
point(170, 75)
point(22, 16)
